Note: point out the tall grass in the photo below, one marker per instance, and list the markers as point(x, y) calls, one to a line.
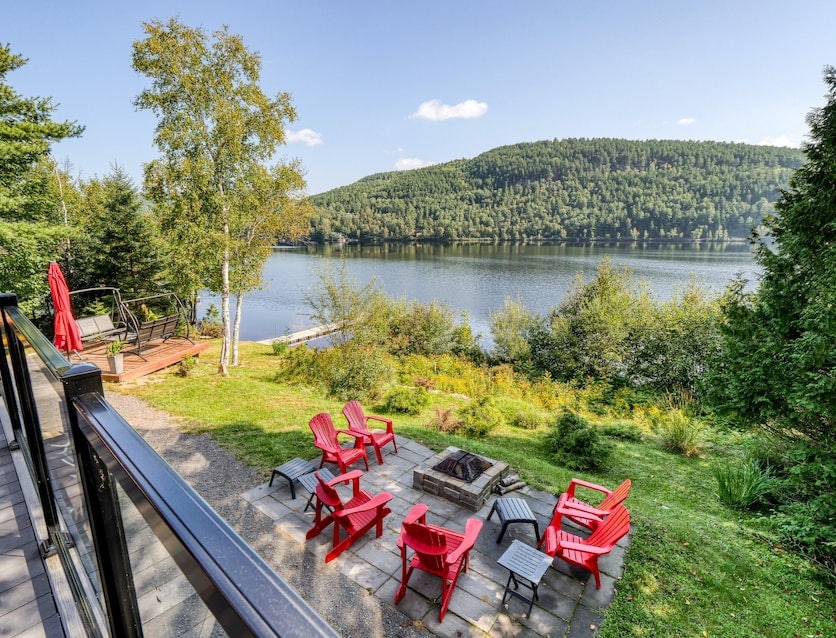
point(742, 486)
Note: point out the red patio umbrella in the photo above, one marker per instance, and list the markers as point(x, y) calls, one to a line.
point(67, 336)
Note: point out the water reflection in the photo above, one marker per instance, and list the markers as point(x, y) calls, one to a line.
point(476, 278)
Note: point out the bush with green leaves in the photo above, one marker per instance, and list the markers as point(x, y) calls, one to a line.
point(743, 486)
point(187, 366)
point(355, 371)
point(407, 400)
point(479, 417)
point(623, 430)
point(576, 444)
point(280, 348)
point(677, 431)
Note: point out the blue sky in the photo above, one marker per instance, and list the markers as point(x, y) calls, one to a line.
point(385, 85)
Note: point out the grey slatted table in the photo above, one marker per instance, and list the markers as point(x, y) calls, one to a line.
point(527, 566)
point(513, 510)
point(309, 481)
point(292, 470)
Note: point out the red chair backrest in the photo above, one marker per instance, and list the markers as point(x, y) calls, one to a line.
point(614, 527)
point(355, 416)
point(327, 494)
point(429, 545)
point(618, 495)
point(325, 434)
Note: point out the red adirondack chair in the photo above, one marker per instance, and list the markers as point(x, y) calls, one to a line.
point(358, 423)
point(588, 515)
point(584, 552)
point(356, 516)
point(325, 438)
point(438, 551)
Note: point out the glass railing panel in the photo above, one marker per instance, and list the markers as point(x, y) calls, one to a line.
point(168, 604)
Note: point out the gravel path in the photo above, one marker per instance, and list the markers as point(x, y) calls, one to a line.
point(220, 479)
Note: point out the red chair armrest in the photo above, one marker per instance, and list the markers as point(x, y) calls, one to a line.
point(348, 476)
point(388, 422)
point(592, 486)
point(471, 533)
point(378, 501)
point(581, 547)
point(356, 435)
point(418, 514)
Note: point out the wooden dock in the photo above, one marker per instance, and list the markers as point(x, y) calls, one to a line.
point(303, 336)
point(159, 354)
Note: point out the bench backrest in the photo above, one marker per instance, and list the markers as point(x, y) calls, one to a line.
point(89, 327)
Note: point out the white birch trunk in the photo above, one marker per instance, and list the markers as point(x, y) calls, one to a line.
point(236, 326)
point(223, 366)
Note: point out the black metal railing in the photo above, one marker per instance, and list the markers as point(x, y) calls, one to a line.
point(95, 529)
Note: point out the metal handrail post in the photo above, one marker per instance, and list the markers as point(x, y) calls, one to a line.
point(103, 511)
point(8, 300)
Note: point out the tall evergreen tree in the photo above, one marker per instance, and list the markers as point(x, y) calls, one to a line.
point(781, 340)
point(120, 246)
point(26, 133)
point(29, 207)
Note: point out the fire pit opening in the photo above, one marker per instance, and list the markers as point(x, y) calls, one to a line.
point(463, 466)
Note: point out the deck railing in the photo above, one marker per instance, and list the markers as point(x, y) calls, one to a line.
point(135, 534)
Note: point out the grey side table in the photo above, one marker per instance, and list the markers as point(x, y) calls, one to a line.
point(292, 470)
point(527, 566)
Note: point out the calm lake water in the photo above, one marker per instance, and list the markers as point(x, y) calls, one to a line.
point(477, 278)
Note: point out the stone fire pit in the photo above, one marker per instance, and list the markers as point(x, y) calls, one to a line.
point(471, 496)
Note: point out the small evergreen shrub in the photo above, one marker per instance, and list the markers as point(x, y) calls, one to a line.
point(407, 400)
point(743, 486)
point(480, 417)
point(576, 444)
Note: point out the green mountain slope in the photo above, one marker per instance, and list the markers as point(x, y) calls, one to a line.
point(567, 189)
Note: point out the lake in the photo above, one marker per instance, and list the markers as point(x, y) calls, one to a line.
point(477, 277)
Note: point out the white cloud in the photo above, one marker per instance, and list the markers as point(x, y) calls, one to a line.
point(408, 163)
point(434, 110)
point(306, 136)
point(781, 140)
point(686, 121)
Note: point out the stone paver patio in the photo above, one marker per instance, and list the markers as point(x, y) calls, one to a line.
point(569, 603)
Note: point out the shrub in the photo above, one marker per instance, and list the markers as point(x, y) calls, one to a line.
point(479, 417)
point(357, 372)
point(303, 365)
point(280, 348)
point(678, 431)
point(623, 430)
point(187, 366)
point(444, 420)
point(576, 444)
point(741, 487)
point(407, 400)
point(525, 419)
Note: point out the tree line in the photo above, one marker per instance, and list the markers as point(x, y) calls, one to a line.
point(567, 189)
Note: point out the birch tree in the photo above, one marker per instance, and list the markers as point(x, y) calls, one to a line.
point(216, 130)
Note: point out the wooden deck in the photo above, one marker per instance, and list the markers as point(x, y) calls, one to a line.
point(159, 354)
point(303, 336)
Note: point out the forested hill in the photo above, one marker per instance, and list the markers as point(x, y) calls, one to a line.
point(567, 189)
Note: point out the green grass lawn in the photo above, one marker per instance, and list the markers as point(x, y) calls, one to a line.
point(694, 567)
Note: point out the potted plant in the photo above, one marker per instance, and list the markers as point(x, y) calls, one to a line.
point(115, 361)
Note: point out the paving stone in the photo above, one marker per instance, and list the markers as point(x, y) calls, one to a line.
point(585, 623)
point(510, 627)
point(595, 598)
point(472, 609)
point(452, 625)
point(271, 507)
point(264, 489)
point(413, 604)
point(364, 574)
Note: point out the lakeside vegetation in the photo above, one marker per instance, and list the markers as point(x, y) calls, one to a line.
point(579, 189)
point(695, 567)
